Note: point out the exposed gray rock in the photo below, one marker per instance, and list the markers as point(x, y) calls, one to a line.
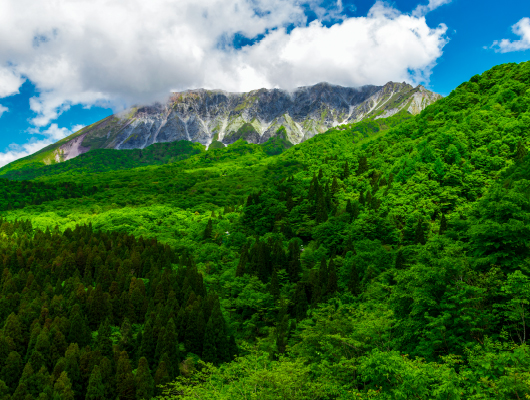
point(206, 115)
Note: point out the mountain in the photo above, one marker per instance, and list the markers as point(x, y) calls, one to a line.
point(383, 259)
point(208, 116)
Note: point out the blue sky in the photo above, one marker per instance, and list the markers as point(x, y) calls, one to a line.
point(61, 69)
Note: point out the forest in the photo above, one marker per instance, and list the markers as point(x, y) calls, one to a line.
point(388, 259)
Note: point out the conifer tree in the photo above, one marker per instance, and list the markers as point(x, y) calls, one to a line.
point(104, 341)
point(294, 266)
point(145, 384)
point(321, 213)
point(95, 389)
point(79, 332)
point(300, 302)
point(62, 389)
point(332, 284)
point(334, 187)
point(420, 234)
point(124, 378)
point(363, 165)
point(443, 225)
point(274, 288)
point(161, 376)
point(520, 152)
point(400, 259)
point(361, 198)
point(208, 231)
point(243, 259)
point(320, 174)
point(354, 282)
point(346, 172)
point(148, 345)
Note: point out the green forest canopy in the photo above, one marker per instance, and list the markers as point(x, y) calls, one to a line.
point(382, 260)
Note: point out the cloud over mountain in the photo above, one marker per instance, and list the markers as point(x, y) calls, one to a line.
point(119, 53)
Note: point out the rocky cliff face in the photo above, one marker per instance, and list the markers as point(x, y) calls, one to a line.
point(207, 115)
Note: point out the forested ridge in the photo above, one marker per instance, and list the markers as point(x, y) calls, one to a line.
point(382, 260)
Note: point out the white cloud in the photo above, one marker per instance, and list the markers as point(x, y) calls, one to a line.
point(521, 29)
point(3, 109)
point(422, 10)
point(125, 52)
point(51, 135)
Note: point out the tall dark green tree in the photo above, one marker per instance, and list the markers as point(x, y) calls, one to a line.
point(145, 384)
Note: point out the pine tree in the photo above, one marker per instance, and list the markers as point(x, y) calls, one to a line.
point(332, 284)
point(161, 376)
point(363, 165)
point(320, 174)
point(79, 332)
point(334, 187)
point(216, 349)
point(354, 283)
point(361, 198)
point(104, 341)
point(274, 288)
point(208, 231)
point(243, 260)
point(95, 389)
point(300, 302)
point(321, 213)
point(294, 266)
point(346, 172)
point(420, 234)
point(148, 345)
point(520, 152)
point(323, 273)
point(443, 225)
point(124, 378)
point(400, 260)
point(63, 388)
point(145, 384)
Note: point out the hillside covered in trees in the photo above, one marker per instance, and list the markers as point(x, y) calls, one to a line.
point(388, 259)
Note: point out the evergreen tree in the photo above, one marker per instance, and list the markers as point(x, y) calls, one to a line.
point(124, 378)
point(95, 389)
point(520, 152)
point(243, 259)
point(300, 302)
point(361, 198)
point(216, 349)
point(346, 172)
point(400, 259)
point(363, 165)
point(104, 341)
point(332, 284)
point(294, 266)
point(208, 231)
point(420, 234)
point(274, 288)
point(321, 213)
point(62, 389)
point(144, 381)
point(443, 225)
point(79, 332)
point(161, 376)
point(148, 345)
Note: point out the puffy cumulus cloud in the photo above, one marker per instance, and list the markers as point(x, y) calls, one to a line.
point(521, 29)
point(43, 138)
point(3, 109)
point(129, 52)
point(386, 45)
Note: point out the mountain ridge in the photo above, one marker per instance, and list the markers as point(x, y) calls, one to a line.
point(205, 116)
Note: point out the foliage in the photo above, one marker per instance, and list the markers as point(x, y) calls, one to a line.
point(387, 259)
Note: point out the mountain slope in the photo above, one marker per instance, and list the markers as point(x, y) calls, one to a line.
point(205, 116)
point(362, 263)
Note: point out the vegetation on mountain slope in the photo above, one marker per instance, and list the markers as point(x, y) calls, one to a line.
point(384, 260)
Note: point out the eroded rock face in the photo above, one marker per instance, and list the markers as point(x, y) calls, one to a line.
point(206, 115)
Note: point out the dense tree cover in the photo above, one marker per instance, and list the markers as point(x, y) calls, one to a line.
point(81, 310)
point(19, 194)
point(387, 259)
point(103, 160)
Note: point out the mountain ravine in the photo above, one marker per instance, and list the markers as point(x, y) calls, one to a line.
point(207, 115)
